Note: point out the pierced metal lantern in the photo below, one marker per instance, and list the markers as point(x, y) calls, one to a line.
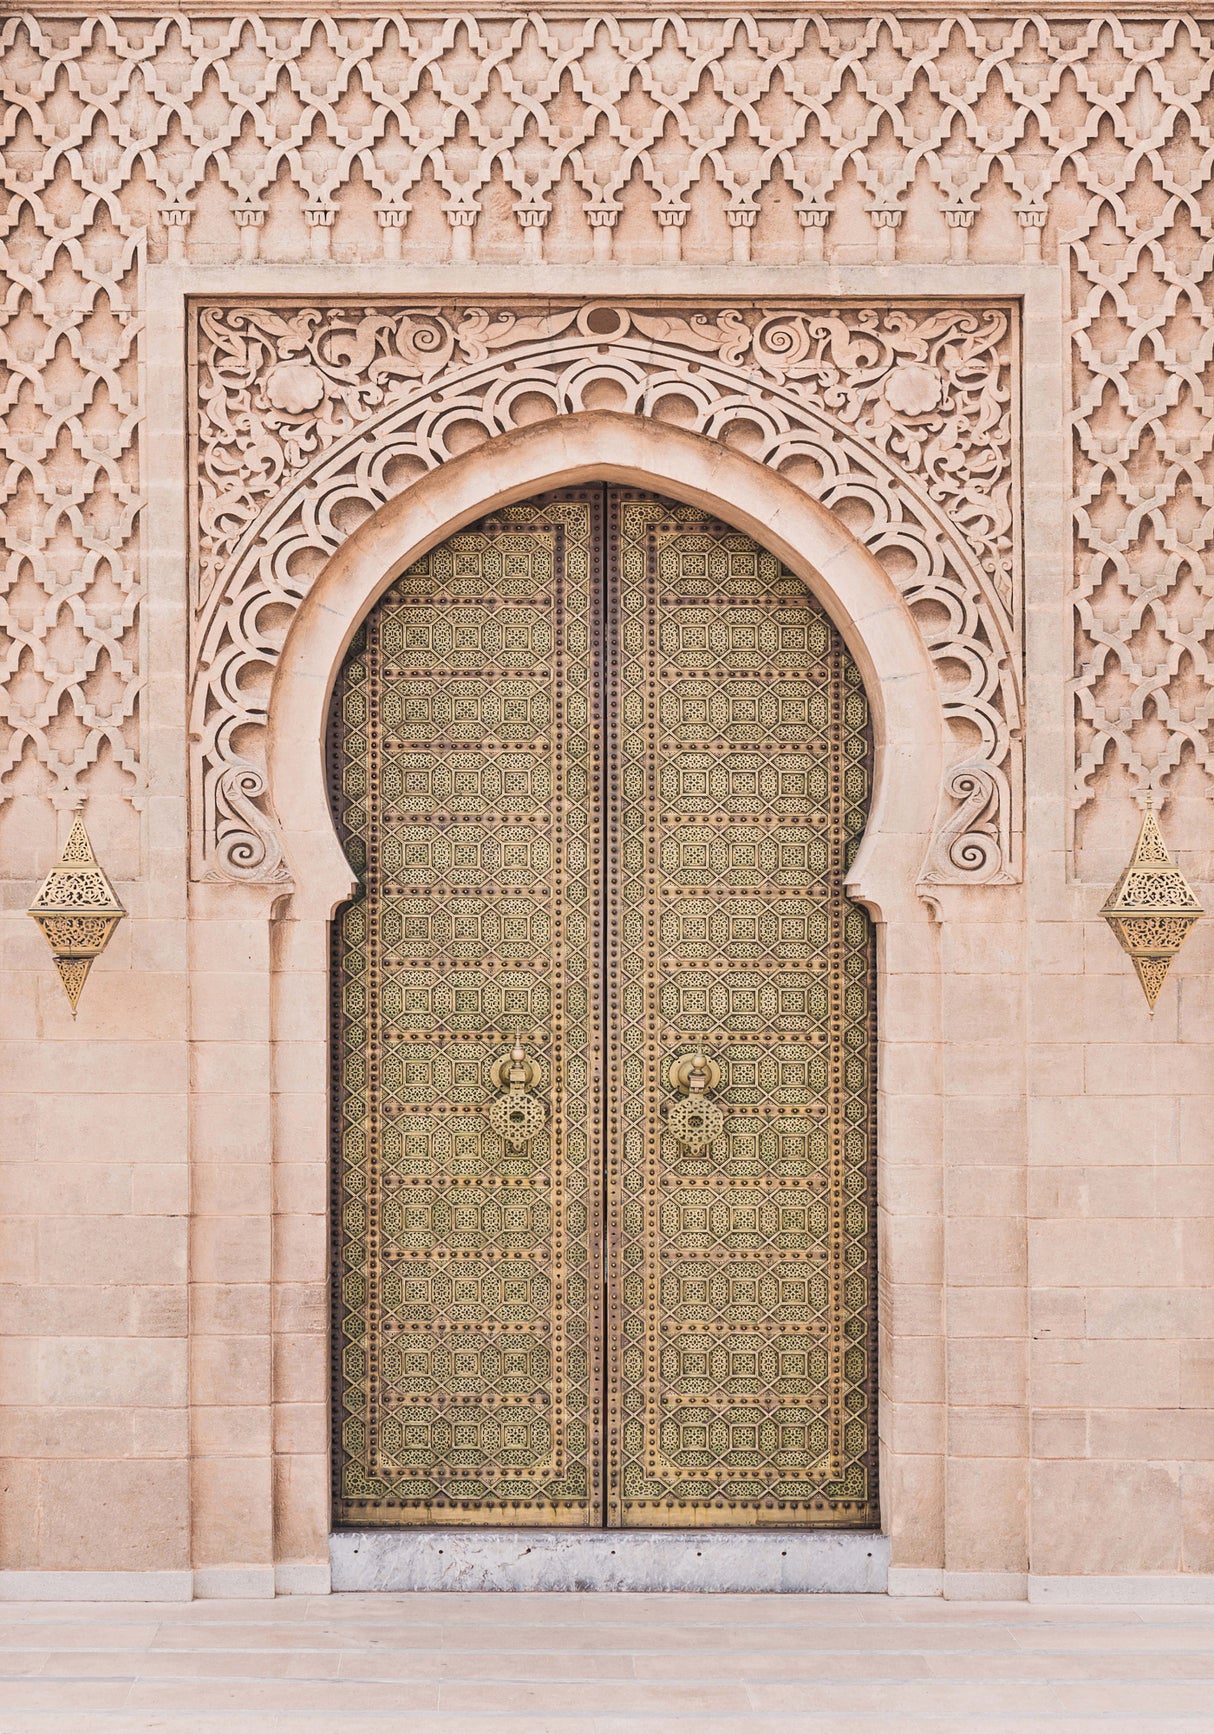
point(1151, 909)
point(77, 911)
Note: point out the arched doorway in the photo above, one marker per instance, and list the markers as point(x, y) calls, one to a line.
point(603, 1035)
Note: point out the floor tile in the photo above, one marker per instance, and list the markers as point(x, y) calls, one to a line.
point(674, 1664)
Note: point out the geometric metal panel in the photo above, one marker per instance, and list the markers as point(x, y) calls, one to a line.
point(741, 1386)
point(515, 851)
point(468, 1280)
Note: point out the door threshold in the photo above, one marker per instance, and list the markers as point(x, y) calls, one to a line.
point(720, 1561)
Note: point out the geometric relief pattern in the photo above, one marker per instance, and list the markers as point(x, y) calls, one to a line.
point(71, 491)
point(738, 1338)
point(840, 138)
point(901, 420)
point(1141, 268)
point(464, 768)
point(741, 1371)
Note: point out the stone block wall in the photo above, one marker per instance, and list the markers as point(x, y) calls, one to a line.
point(1047, 1230)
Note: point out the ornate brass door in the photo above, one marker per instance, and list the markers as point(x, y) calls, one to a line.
point(466, 772)
point(740, 1274)
point(603, 990)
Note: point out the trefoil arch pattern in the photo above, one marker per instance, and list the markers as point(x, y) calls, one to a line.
point(899, 419)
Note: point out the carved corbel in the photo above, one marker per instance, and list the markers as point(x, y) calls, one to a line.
point(392, 220)
point(886, 220)
point(813, 220)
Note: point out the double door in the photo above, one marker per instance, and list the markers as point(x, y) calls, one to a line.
point(603, 1036)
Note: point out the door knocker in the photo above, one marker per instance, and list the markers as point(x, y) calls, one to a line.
point(692, 1120)
point(516, 1115)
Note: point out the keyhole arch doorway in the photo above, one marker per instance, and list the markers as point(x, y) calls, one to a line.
point(906, 717)
point(604, 1035)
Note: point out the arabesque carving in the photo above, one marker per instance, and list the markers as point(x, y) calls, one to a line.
point(900, 420)
point(572, 138)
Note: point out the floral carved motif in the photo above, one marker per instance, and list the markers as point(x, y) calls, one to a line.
point(899, 419)
point(932, 390)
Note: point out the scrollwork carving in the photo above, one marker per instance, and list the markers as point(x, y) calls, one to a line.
point(967, 844)
point(898, 419)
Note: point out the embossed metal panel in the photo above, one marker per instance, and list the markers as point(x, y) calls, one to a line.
point(741, 1383)
point(695, 882)
point(465, 766)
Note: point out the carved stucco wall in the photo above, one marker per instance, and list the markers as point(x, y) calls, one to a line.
point(901, 420)
point(573, 138)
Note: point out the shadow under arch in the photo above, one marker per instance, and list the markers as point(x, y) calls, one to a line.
point(847, 581)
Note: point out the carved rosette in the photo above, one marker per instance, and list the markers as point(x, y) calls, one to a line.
point(900, 420)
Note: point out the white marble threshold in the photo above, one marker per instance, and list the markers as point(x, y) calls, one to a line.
point(799, 1562)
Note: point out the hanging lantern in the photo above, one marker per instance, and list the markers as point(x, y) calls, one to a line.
point(1151, 909)
point(77, 911)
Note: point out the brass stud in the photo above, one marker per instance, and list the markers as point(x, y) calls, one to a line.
point(77, 911)
point(1151, 909)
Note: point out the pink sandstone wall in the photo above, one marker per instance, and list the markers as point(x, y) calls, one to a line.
point(1048, 1248)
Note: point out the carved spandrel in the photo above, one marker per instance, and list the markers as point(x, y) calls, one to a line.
point(899, 419)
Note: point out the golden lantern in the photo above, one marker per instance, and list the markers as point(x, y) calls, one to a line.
point(77, 911)
point(1151, 909)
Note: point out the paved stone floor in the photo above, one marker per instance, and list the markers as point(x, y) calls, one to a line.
point(600, 1664)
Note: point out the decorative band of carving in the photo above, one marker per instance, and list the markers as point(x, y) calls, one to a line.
point(898, 419)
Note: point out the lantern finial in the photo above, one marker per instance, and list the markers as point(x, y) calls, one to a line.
point(77, 911)
point(1151, 908)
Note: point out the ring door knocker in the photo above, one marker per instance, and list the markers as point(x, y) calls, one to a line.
point(516, 1115)
point(693, 1121)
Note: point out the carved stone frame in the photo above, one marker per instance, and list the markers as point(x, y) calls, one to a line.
point(902, 417)
point(274, 1077)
